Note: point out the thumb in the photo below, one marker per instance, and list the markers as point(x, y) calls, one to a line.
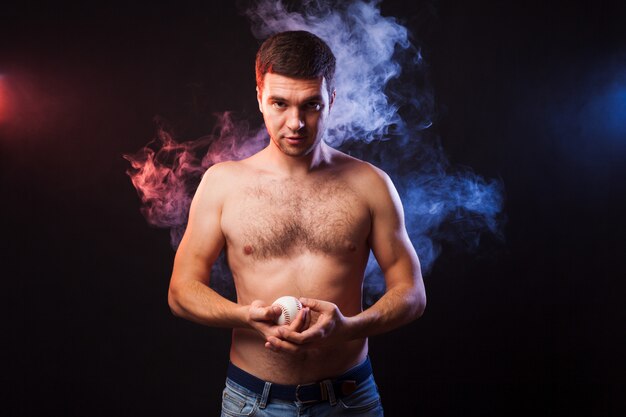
point(315, 305)
point(260, 312)
point(273, 312)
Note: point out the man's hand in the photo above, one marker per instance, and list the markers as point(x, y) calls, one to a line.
point(330, 327)
point(262, 318)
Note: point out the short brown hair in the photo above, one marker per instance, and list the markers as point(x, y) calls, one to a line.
point(297, 54)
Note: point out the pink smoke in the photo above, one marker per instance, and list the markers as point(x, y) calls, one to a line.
point(383, 114)
point(166, 172)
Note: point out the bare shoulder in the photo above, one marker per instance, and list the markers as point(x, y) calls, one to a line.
point(362, 175)
point(224, 170)
point(220, 179)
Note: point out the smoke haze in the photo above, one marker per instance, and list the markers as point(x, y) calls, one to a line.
point(382, 113)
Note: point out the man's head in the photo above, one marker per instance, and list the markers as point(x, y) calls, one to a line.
point(295, 54)
point(294, 73)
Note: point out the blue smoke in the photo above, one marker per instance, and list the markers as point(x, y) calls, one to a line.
point(382, 114)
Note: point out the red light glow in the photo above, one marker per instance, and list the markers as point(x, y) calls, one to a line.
point(4, 100)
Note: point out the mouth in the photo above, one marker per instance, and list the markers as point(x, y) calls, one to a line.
point(294, 140)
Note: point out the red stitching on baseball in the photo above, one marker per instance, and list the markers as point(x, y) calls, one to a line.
point(286, 313)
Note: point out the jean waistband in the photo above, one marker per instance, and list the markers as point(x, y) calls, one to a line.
point(318, 391)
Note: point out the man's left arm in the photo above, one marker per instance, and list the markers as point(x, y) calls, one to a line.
point(405, 298)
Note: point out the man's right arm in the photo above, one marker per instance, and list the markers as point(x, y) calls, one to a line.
point(189, 294)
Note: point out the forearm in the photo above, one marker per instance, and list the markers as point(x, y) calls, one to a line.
point(398, 306)
point(195, 301)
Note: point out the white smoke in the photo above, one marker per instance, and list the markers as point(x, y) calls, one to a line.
point(382, 113)
point(364, 44)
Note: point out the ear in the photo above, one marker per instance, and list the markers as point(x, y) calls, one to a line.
point(259, 98)
point(331, 100)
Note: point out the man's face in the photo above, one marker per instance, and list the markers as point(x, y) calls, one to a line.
point(294, 111)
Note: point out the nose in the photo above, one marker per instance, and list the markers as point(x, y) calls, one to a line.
point(295, 121)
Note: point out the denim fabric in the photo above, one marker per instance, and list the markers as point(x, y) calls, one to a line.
point(237, 401)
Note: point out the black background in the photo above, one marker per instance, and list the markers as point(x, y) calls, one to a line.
point(533, 326)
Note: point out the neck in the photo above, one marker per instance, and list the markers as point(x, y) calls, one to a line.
point(299, 165)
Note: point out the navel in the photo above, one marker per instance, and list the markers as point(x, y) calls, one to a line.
point(247, 249)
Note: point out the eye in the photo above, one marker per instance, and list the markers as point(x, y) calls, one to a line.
point(314, 106)
point(279, 104)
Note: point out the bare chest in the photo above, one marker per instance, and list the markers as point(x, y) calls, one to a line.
point(274, 219)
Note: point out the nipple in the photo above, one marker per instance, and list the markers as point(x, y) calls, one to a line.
point(351, 247)
point(247, 249)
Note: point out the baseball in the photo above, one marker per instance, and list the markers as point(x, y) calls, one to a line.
point(290, 307)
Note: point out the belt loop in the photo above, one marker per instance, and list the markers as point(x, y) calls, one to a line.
point(265, 395)
point(330, 391)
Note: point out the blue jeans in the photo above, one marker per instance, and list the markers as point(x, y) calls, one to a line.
point(238, 401)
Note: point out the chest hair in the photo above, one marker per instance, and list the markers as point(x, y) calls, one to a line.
point(282, 218)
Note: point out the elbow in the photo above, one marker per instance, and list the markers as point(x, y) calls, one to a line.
point(419, 297)
point(172, 301)
point(419, 305)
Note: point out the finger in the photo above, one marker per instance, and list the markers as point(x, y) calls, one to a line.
point(278, 345)
point(299, 323)
point(309, 335)
point(270, 313)
point(317, 305)
point(273, 312)
point(307, 321)
point(256, 310)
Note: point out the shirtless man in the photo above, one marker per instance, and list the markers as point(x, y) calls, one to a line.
point(297, 218)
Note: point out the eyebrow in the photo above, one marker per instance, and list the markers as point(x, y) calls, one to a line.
point(317, 97)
